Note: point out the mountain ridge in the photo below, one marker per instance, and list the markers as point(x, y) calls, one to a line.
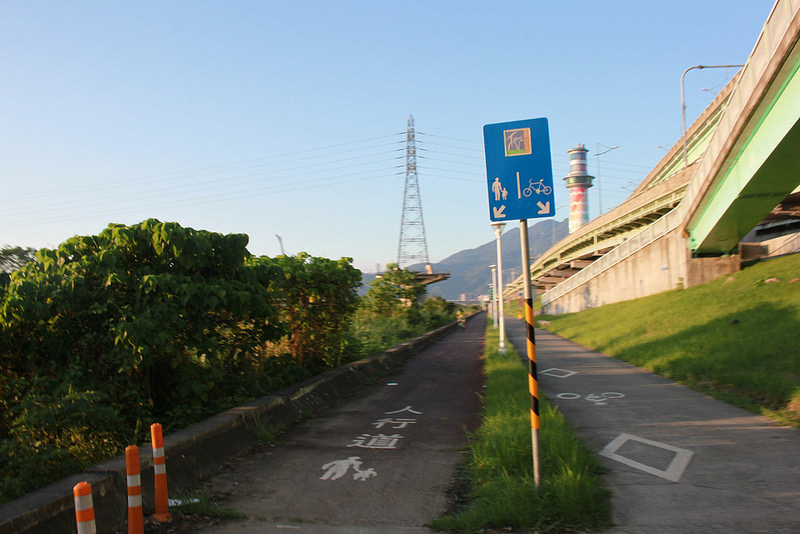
point(470, 273)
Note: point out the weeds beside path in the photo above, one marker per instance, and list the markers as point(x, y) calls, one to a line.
point(499, 464)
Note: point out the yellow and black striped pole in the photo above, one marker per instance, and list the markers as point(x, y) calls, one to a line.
point(533, 383)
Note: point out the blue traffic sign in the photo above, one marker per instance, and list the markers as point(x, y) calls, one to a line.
point(519, 170)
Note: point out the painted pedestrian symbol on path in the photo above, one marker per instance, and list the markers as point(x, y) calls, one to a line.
point(339, 468)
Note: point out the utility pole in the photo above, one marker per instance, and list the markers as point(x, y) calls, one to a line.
point(413, 246)
point(498, 230)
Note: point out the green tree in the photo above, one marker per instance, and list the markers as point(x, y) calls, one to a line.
point(153, 322)
point(395, 292)
point(151, 314)
point(318, 298)
point(438, 311)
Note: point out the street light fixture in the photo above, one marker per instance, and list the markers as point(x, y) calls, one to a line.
point(683, 103)
point(597, 155)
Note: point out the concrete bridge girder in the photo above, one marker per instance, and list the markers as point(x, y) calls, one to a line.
point(550, 280)
point(741, 203)
point(562, 272)
point(755, 165)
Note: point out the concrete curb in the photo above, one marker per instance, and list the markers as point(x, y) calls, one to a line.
point(196, 452)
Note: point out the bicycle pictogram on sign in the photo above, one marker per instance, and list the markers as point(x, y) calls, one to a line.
point(537, 187)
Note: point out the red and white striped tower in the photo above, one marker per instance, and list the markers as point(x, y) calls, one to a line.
point(578, 183)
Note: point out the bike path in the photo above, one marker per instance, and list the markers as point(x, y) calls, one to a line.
point(381, 462)
point(678, 461)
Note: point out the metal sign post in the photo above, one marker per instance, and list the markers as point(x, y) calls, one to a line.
point(533, 382)
point(519, 171)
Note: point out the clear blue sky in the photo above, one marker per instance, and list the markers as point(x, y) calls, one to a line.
point(289, 117)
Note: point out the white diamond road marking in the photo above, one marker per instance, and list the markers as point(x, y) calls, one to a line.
point(558, 373)
point(673, 472)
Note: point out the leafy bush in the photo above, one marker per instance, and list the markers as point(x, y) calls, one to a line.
point(317, 300)
point(153, 322)
point(54, 435)
point(160, 323)
point(391, 312)
point(150, 314)
point(395, 293)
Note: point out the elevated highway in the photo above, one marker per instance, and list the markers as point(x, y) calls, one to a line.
point(684, 223)
point(753, 160)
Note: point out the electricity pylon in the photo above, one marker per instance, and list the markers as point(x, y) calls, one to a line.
point(413, 245)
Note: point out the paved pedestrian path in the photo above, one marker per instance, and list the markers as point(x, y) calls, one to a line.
point(678, 461)
point(378, 463)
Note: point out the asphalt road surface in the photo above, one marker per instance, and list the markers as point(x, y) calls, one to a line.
point(380, 462)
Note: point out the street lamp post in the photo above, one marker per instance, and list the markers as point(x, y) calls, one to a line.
point(683, 103)
point(597, 155)
point(498, 230)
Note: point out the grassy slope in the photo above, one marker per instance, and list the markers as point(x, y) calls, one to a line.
point(736, 338)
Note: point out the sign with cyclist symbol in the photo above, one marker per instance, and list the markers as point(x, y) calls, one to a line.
point(519, 170)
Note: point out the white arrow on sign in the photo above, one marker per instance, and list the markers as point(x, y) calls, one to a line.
point(498, 213)
point(544, 207)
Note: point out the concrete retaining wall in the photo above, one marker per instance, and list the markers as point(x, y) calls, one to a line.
point(198, 451)
point(661, 264)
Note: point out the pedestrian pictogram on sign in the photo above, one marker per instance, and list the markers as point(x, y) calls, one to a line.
point(519, 170)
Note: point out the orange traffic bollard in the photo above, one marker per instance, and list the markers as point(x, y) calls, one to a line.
point(135, 515)
point(84, 508)
point(160, 468)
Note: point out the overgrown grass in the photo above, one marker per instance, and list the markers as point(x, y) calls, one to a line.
point(735, 338)
point(193, 505)
point(378, 332)
point(500, 466)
